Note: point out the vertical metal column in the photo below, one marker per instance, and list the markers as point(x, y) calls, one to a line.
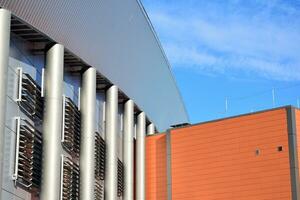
point(293, 152)
point(150, 129)
point(5, 17)
point(111, 128)
point(128, 149)
point(169, 164)
point(140, 156)
point(52, 124)
point(88, 128)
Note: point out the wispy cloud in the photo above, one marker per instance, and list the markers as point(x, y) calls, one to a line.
point(233, 38)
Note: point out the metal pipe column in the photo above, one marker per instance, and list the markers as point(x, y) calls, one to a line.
point(140, 156)
point(88, 128)
point(150, 129)
point(5, 17)
point(52, 124)
point(128, 149)
point(111, 165)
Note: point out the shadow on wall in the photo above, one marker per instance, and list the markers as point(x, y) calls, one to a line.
point(156, 162)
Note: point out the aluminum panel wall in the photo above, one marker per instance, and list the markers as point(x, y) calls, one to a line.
point(12, 111)
point(116, 38)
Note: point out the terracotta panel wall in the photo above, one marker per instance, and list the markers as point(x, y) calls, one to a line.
point(156, 176)
point(218, 160)
point(298, 133)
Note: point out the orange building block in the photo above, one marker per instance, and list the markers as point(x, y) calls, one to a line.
point(239, 158)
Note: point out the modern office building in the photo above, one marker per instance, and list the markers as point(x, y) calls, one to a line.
point(81, 84)
point(89, 110)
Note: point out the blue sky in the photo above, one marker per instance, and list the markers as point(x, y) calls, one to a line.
point(242, 51)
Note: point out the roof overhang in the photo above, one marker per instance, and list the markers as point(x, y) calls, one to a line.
point(116, 38)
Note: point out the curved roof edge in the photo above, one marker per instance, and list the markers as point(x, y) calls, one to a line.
point(163, 52)
point(118, 39)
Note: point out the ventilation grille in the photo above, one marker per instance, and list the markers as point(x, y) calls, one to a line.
point(29, 97)
point(100, 157)
point(71, 132)
point(28, 156)
point(120, 178)
point(99, 166)
point(70, 189)
point(99, 190)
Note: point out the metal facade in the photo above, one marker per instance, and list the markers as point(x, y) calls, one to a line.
point(117, 39)
point(250, 156)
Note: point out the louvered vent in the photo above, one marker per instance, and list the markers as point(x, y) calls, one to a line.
point(99, 166)
point(120, 178)
point(29, 96)
point(71, 131)
point(28, 156)
point(70, 189)
point(100, 157)
point(99, 190)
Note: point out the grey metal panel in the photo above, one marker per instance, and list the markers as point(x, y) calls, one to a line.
point(293, 153)
point(5, 17)
point(12, 75)
point(169, 164)
point(71, 87)
point(12, 111)
point(115, 37)
point(9, 155)
point(9, 152)
point(21, 56)
point(9, 196)
point(12, 80)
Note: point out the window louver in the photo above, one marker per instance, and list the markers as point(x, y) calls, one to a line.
point(70, 183)
point(71, 130)
point(120, 178)
point(99, 166)
point(100, 157)
point(99, 190)
point(29, 96)
point(28, 156)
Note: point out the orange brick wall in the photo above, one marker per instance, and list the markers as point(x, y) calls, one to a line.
point(156, 176)
point(217, 160)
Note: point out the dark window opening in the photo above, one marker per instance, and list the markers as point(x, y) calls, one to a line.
point(257, 152)
point(280, 148)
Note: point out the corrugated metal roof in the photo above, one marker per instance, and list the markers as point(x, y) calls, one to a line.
point(116, 38)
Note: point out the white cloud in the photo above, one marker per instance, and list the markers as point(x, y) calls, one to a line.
point(260, 43)
point(189, 56)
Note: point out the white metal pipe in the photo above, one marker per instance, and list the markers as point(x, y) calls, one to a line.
point(111, 128)
point(140, 156)
point(5, 17)
point(88, 128)
point(128, 155)
point(150, 129)
point(52, 124)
